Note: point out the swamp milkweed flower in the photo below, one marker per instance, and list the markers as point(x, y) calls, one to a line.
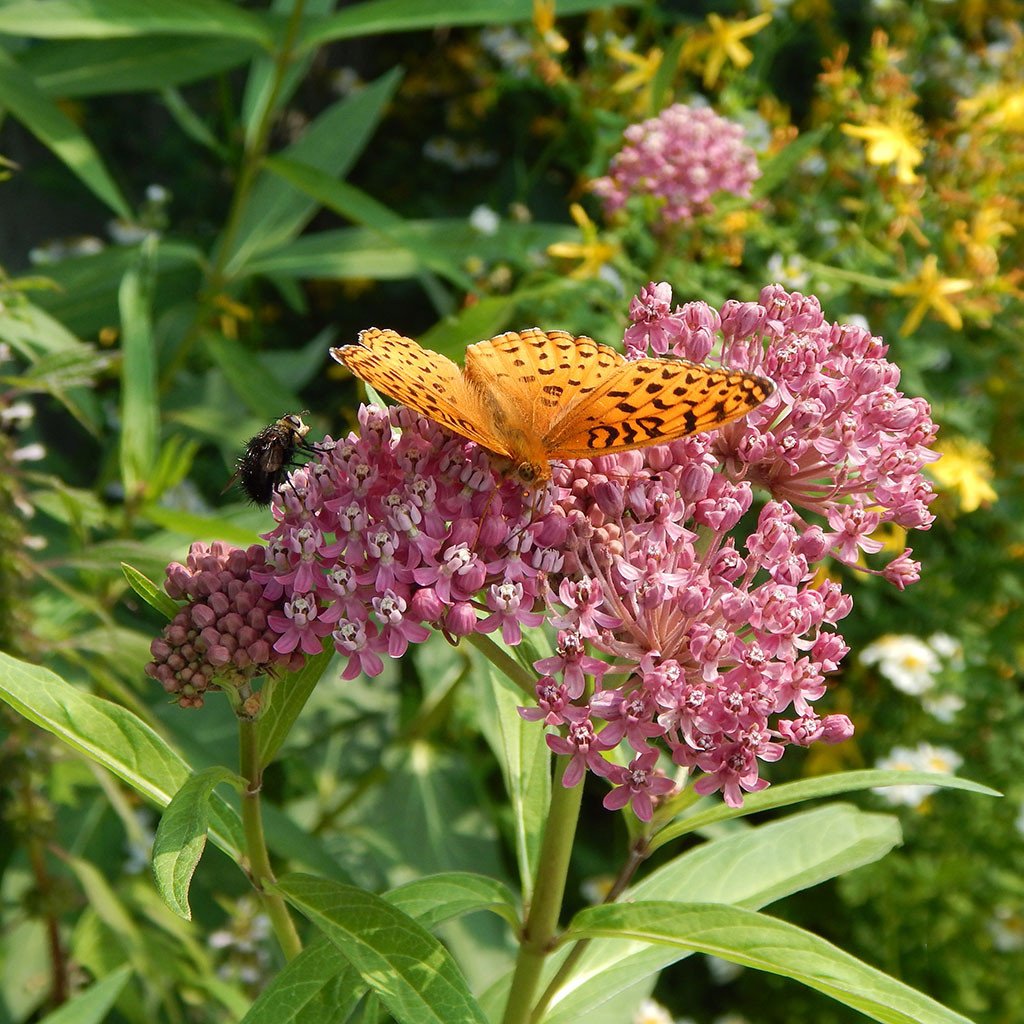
point(681, 158)
point(685, 626)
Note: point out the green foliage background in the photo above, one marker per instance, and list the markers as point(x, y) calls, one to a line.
point(152, 331)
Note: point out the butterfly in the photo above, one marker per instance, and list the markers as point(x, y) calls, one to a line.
point(534, 396)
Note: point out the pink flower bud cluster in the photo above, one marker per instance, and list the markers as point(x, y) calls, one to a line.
point(222, 636)
point(682, 158)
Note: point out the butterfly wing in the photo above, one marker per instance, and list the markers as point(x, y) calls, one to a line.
point(651, 401)
point(425, 381)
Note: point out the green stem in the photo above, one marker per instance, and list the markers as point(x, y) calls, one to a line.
point(524, 679)
point(549, 887)
point(260, 871)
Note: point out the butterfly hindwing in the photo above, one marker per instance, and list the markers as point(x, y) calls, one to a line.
point(651, 401)
point(423, 380)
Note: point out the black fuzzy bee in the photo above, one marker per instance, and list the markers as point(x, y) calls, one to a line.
point(268, 456)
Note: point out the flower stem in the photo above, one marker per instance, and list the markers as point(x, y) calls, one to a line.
point(259, 868)
point(525, 680)
point(548, 889)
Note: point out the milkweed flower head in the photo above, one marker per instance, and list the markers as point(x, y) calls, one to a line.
point(681, 158)
point(690, 626)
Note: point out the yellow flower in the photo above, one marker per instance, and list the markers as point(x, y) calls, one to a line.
point(966, 467)
point(1000, 106)
point(981, 237)
point(593, 253)
point(644, 70)
point(724, 44)
point(895, 141)
point(930, 289)
point(544, 23)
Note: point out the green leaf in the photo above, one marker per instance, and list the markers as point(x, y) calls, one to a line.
point(320, 987)
point(55, 130)
point(763, 943)
point(206, 528)
point(275, 212)
point(247, 376)
point(139, 399)
point(438, 898)
point(810, 789)
point(412, 973)
point(149, 591)
point(111, 736)
point(749, 867)
point(351, 202)
point(363, 252)
point(289, 696)
point(380, 16)
point(181, 836)
point(85, 298)
point(525, 760)
point(92, 1005)
point(108, 19)
point(101, 67)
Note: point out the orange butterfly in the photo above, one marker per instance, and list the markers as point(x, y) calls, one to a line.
point(533, 396)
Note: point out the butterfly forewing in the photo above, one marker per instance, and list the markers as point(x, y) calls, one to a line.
point(423, 380)
point(651, 401)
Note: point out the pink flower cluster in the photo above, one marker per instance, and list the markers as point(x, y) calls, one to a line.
point(687, 623)
point(682, 158)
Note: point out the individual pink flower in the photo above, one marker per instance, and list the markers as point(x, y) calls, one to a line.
point(681, 158)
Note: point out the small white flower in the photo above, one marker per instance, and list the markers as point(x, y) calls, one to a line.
point(651, 1012)
point(722, 971)
point(790, 271)
point(1007, 930)
point(922, 758)
point(484, 220)
point(906, 661)
point(943, 706)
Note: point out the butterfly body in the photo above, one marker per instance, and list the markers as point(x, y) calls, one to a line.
point(533, 396)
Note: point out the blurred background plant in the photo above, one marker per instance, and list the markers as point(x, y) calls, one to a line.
point(197, 201)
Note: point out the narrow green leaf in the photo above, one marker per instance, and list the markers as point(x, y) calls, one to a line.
point(386, 16)
point(525, 761)
point(92, 1005)
point(108, 19)
point(351, 202)
point(766, 944)
point(209, 528)
point(809, 789)
point(85, 297)
point(290, 693)
point(364, 252)
point(111, 736)
point(149, 591)
point(139, 402)
point(181, 836)
point(412, 973)
point(72, 68)
point(247, 376)
point(55, 130)
point(275, 211)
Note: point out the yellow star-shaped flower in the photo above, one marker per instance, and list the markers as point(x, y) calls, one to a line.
point(930, 289)
point(965, 467)
point(593, 253)
point(891, 142)
point(644, 68)
point(724, 44)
